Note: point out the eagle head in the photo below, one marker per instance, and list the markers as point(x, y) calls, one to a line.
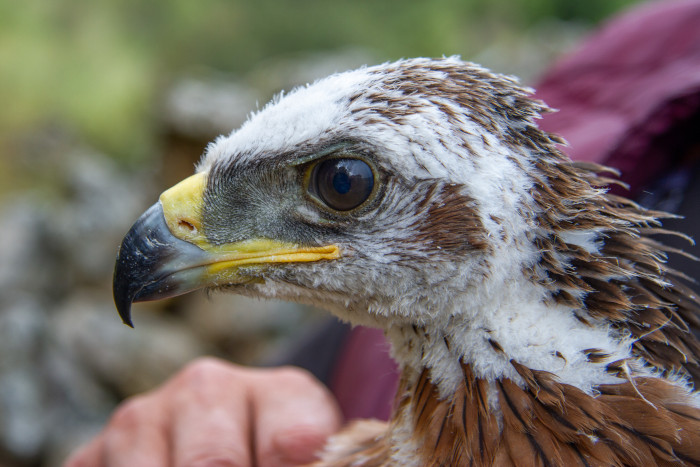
point(385, 193)
point(413, 194)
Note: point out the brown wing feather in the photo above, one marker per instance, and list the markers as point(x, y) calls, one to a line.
point(631, 423)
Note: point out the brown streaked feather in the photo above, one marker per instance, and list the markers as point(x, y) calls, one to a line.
point(519, 426)
point(520, 449)
point(595, 168)
point(451, 224)
point(627, 282)
point(488, 426)
point(636, 421)
point(596, 355)
point(495, 345)
point(462, 430)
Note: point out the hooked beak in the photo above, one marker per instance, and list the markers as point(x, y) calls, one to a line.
point(165, 253)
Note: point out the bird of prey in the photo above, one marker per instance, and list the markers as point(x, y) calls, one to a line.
point(532, 314)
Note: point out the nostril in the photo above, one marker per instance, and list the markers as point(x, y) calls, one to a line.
point(186, 225)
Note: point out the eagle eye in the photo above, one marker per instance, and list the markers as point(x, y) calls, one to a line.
point(342, 184)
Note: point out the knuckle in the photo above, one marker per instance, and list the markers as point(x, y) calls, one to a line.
point(129, 413)
point(205, 369)
point(292, 375)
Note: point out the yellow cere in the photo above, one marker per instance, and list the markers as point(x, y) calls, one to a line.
point(182, 207)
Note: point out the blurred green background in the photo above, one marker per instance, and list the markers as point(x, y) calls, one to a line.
point(98, 68)
point(106, 102)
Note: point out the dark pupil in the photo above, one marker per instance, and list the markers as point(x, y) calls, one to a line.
point(343, 184)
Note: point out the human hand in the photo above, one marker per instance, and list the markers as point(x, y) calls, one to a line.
point(214, 413)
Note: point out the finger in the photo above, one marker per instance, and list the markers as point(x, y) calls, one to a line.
point(293, 417)
point(210, 417)
point(136, 435)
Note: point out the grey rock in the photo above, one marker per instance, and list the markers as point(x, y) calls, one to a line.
point(129, 360)
point(203, 109)
point(22, 418)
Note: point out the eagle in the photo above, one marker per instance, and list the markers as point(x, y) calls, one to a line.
point(531, 311)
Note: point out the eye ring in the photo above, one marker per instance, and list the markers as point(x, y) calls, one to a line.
point(342, 183)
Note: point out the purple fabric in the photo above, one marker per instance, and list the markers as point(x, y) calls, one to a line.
point(366, 376)
point(625, 86)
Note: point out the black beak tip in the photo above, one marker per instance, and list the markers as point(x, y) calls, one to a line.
point(122, 296)
point(136, 260)
point(128, 322)
point(125, 315)
point(148, 257)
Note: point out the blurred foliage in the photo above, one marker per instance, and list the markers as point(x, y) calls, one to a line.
point(97, 67)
